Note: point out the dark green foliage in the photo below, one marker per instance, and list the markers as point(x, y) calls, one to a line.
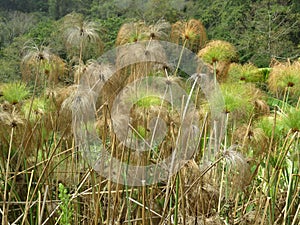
point(42, 31)
point(25, 5)
point(111, 28)
point(14, 24)
point(260, 30)
point(10, 60)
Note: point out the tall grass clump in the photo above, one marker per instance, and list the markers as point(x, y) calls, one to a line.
point(15, 93)
point(242, 101)
point(284, 81)
point(190, 34)
point(245, 73)
point(219, 54)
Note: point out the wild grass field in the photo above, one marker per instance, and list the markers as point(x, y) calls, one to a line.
point(244, 166)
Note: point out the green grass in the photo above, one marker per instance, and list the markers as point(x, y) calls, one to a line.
point(15, 92)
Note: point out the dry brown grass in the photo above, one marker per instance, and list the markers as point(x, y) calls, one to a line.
point(192, 32)
point(284, 77)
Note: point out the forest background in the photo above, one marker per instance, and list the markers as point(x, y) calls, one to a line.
point(261, 30)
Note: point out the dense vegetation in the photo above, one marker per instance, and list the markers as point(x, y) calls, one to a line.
point(248, 49)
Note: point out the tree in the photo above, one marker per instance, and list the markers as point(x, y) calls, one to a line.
point(14, 24)
point(24, 5)
point(260, 29)
point(59, 8)
point(272, 24)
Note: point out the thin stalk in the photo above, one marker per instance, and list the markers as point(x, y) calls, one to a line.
point(182, 199)
point(5, 210)
point(140, 204)
point(285, 98)
point(180, 57)
point(297, 213)
point(144, 203)
point(215, 73)
point(108, 201)
point(43, 206)
point(127, 201)
point(221, 187)
point(27, 206)
point(39, 205)
point(265, 211)
point(176, 200)
point(287, 200)
point(225, 138)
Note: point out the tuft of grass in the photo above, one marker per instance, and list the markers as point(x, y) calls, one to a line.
point(190, 34)
point(240, 100)
point(284, 80)
point(131, 33)
point(219, 54)
point(245, 73)
point(292, 120)
point(39, 107)
point(149, 101)
point(218, 51)
point(15, 92)
point(266, 125)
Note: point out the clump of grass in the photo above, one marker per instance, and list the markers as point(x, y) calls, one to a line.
point(284, 123)
point(39, 107)
point(218, 51)
point(149, 101)
point(251, 139)
point(238, 172)
point(15, 93)
point(270, 127)
point(240, 100)
point(284, 80)
point(244, 73)
point(131, 32)
point(292, 120)
point(140, 31)
point(219, 54)
point(12, 119)
point(199, 191)
point(190, 34)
